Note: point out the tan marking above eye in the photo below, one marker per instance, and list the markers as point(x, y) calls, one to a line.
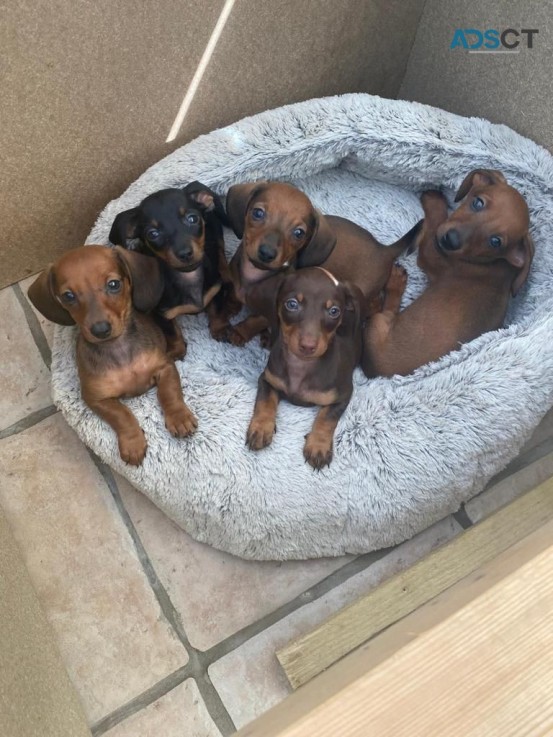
point(328, 304)
point(300, 297)
point(182, 211)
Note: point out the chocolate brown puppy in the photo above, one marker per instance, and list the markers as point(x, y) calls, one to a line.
point(475, 259)
point(280, 228)
point(317, 328)
point(121, 352)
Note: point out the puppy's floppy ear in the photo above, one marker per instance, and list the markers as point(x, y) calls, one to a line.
point(521, 257)
point(145, 277)
point(206, 199)
point(320, 245)
point(261, 298)
point(125, 227)
point(353, 299)
point(238, 200)
point(479, 178)
point(42, 294)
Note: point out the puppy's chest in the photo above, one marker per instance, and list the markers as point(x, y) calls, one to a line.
point(126, 379)
point(185, 294)
point(301, 383)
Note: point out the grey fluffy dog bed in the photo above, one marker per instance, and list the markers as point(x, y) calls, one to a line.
point(408, 451)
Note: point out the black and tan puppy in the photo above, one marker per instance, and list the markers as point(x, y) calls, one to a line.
point(183, 229)
point(317, 346)
point(280, 228)
point(121, 352)
point(475, 259)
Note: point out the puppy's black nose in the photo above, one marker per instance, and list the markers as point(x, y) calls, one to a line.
point(101, 330)
point(266, 253)
point(451, 240)
point(184, 253)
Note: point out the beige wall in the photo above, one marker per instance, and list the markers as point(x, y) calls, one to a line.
point(91, 89)
point(516, 89)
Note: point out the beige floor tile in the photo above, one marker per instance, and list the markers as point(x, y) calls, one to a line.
point(47, 326)
point(215, 593)
point(180, 713)
point(510, 488)
point(250, 679)
point(24, 379)
point(112, 635)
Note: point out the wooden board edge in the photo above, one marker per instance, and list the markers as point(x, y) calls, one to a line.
point(305, 657)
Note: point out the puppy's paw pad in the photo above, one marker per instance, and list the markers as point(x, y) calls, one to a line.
point(132, 449)
point(260, 434)
point(317, 451)
point(181, 422)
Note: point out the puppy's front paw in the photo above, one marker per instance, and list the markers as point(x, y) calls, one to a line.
point(177, 350)
point(397, 280)
point(132, 448)
point(221, 333)
point(265, 339)
point(317, 450)
point(260, 433)
point(181, 422)
point(237, 338)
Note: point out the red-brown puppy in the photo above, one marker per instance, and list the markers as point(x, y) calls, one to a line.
point(317, 345)
point(280, 228)
point(121, 352)
point(474, 259)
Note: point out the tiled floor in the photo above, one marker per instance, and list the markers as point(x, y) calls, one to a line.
point(162, 635)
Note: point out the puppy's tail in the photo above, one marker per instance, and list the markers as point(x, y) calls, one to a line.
point(408, 242)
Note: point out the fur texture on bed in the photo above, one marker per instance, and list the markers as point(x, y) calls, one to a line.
point(408, 451)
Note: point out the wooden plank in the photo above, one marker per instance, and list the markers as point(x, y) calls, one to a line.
point(476, 660)
point(309, 655)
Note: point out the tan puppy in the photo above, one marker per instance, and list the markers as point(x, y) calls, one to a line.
point(121, 352)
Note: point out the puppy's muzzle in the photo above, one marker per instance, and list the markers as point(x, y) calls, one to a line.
point(266, 253)
point(184, 254)
point(101, 330)
point(450, 240)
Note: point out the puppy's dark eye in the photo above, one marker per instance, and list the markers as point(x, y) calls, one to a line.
point(292, 305)
point(258, 213)
point(298, 233)
point(191, 218)
point(477, 204)
point(495, 241)
point(68, 297)
point(334, 312)
point(152, 234)
point(114, 286)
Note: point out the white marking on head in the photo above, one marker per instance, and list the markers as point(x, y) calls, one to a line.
point(330, 276)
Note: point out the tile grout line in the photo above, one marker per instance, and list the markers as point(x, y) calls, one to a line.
point(462, 518)
point(195, 667)
point(200, 661)
point(313, 593)
point(34, 326)
point(29, 421)
point(144, 699)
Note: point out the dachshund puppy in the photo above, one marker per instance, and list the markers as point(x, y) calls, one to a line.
point(280, 228)
point(317, 345)
point(121, 352)
point(182, 228)
point(474, 258)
